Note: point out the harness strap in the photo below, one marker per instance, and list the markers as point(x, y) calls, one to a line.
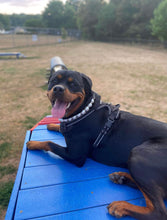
point(112, 116)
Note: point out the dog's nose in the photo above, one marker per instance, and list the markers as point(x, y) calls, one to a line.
point(58, 89)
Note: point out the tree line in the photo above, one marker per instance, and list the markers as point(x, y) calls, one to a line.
point(100, 19)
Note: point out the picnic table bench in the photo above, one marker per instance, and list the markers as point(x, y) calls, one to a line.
point(17, 54)
point(48, 187)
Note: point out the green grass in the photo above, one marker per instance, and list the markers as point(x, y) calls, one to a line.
point(5, 192)
point(4, 150)
point(44, 87)
point(10, 70)
point(40, 72)
point(5, 170)
point(29, 122)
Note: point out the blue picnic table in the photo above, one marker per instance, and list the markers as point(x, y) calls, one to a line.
point(8, 54)
point(48, 187)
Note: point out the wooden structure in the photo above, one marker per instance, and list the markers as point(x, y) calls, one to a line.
point(50, 188)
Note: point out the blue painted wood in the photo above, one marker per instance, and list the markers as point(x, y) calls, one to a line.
point(47, 187)
point(42, 135)
point(40, 158)
point(17, 54)
point(59, 173)
point(40, 127)
point(13, 198)
point(69, 197)
point(95, 213)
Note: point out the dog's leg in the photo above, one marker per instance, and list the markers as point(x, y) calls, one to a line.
point(53, 127)
point(123, 208)
point(69, 153)
point(147, 165)
point(38, 145)
point(122, 178)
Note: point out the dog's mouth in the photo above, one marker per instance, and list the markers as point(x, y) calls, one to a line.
point(62, 109)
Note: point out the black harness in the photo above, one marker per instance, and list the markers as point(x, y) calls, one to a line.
point(113, 115)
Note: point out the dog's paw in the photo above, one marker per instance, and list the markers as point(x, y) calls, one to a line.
point(38, 145)
point(117, 178)
point(32, 145)
point(118, 209)
point(53, 127)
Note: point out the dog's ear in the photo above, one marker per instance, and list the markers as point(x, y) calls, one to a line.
point(87, 82)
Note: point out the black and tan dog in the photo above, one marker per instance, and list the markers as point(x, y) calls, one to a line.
point(100, 131)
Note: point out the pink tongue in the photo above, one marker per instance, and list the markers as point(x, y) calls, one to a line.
point(58, 110)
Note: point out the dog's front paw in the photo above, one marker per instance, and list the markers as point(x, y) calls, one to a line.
point(38, 145)
point(118, 209)
point(33, 145)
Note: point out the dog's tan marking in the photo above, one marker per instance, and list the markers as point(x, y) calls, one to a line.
point(123, 208)
point(68, 97)
point(59, 76)
point(70, 79)
point(38, 145)
point(72, 97)
point(53, 127)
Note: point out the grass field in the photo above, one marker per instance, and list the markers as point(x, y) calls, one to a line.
point(134, 76)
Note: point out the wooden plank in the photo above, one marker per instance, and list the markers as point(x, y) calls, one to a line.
point(40, 127)
point(63, 198)
point(40, 158)
point(14, 195)
point(97, 213)
point(59, 173)
point(42, 135)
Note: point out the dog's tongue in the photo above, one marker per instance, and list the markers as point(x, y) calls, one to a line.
point(59, 108)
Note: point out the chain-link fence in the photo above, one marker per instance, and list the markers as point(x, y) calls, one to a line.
point(25, 37)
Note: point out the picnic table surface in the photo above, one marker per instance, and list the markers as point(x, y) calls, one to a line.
point(48, 187)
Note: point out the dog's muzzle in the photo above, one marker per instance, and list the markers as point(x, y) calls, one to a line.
point(58, 90)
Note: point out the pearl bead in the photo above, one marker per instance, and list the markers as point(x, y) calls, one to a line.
point(83, 112)
point(80, 114)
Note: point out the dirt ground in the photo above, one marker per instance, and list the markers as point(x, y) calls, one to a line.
point(134, 76)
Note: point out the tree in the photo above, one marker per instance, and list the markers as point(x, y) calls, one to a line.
point(53, 14)
point(34, 22)
point(126, 18)
point(4, 21)
point(74, 3)
point(69, 16)
point(88, 17)
point(58, 15)
point(21, 19)
point(159, 22)
point(140, 25)
point(105, 27)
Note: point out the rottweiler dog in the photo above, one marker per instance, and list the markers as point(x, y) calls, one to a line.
point(104, 133)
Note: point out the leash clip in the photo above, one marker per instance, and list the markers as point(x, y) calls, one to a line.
point(113, 115)
point(108, 123)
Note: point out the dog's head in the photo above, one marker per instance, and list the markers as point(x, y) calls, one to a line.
point(67, 92)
